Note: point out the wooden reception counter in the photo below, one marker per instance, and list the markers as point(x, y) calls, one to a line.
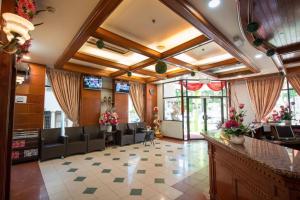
point(257, 170)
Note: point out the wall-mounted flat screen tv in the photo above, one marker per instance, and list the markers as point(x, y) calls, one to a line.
point(122, 87)
point(92, 82)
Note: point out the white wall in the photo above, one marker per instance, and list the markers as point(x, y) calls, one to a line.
point(240, 94)
point(169, 128)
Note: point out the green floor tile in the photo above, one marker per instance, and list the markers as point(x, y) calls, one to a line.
point(80, 178)
point(136, 192)
point(144, 159)
point(116, 158)
point(89, 158)
point(136, 147)
point(176, 172)
point(141, 171)
point(146, 150)
point(132, 154)
point(107, 154)
point(96, 164)
point(106, 171)
point(157, 148)
point(66, 163)
point(172, 159)
point(122, 150)
point(157, 154)
point(126, 164)
point(72, 170)
point(159, 180)
point(119, 180)
point(158, 165)
point(170, 151)
point(89, 190)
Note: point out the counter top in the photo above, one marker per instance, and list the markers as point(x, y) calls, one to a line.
point(281, 160)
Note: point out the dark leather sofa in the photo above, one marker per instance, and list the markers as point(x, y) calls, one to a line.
point(124, 135)
point(76, 140)
point(53, 145)
point(138, 130)
point(95, 138)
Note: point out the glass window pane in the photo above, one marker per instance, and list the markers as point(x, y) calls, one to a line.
point(132, 115)
point(54, 117)
point(172, 89)
point(172, 109)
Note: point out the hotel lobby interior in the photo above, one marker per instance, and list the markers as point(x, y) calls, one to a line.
point(150, 99)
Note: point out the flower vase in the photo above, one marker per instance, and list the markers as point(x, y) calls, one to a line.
point(288, 122)
point(237, 139)
point(108, 128)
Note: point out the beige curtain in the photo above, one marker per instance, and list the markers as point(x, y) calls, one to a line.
point(294, 80)
point(137, 97)
point(66, 88)
point(264, 93)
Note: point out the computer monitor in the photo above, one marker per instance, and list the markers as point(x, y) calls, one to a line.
point(284, 132)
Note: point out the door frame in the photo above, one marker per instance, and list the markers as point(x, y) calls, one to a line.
point(204, 114)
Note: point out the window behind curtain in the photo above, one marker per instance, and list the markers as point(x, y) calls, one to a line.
point(289, 97)
point(132, 114)
point(54, 117)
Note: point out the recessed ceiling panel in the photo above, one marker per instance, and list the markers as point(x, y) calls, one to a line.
point(87, 64)
point(205, 54)
point(151, 24)
point(112, 53)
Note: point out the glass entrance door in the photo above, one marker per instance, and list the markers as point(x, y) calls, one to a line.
point(196, 116)
point(214, 113)
point(204, 114)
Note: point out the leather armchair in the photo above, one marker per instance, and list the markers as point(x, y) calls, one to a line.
point(137, 129)
point(76, 140)
point(124, 135)
point(95, 138)
point(53, 145)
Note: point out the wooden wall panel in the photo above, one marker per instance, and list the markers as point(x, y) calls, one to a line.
point(150, 102)
point(31, 114)
point(121, 106)
point(90, 108)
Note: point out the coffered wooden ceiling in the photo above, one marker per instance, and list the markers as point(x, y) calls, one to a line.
point(279, 28)
point(137, 34)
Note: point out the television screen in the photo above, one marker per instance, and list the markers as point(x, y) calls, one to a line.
point(92, 82)
point(122, 87)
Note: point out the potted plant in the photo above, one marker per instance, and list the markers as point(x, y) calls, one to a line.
point(109, 119)
point(284, 115)
point(234, 129)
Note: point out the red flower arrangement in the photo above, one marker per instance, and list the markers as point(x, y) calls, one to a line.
point(155, 109)
point(109, 118)
point(235, 126)
point(284, 113)
point(26, 8)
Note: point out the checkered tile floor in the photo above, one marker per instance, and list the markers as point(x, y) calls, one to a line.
point(162, 172)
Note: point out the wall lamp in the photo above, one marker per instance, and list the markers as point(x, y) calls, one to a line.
point(17, 31)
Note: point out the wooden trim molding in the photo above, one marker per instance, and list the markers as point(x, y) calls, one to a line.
point(228, 62)
point(100, 61)
point(95, 19)
point(186, 10)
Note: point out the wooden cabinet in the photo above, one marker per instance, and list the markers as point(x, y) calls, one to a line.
point(236, 175)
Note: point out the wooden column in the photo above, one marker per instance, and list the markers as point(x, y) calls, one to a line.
point(7, 85)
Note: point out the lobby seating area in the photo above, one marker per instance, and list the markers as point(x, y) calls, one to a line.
point(81, 140)
point(150, 100)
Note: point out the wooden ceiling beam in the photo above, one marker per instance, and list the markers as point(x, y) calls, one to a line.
point(198, 41)
point(125, 43)
point(132, 78)
point(288, 49)
point(291, 61)
point(151, 73)
point(228, 62)
point(94, 20)
point(234, 73)
point(85, 70)
point(100, 61)
point(184, 9)
point(180, 63)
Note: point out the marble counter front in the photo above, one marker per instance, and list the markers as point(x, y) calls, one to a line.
point(257, 169)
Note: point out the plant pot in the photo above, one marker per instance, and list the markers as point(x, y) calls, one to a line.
point(288, 122)
point(109, 128)
point(237, 139)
